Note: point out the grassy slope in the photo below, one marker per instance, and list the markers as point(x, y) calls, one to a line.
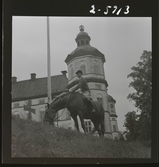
point(32, 139)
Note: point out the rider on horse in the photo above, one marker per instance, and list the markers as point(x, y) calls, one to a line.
point(82, 84)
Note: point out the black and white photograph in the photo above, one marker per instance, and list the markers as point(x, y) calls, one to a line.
point(79, 81)
point(81, 87)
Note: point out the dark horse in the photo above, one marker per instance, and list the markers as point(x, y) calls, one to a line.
point(77, 105)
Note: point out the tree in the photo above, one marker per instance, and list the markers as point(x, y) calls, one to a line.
point(142, 83)
point(131, 124)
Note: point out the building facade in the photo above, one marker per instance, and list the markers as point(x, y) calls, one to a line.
point(34, 90)
point(86, 58)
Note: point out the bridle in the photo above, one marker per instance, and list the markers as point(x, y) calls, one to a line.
point(64, 107)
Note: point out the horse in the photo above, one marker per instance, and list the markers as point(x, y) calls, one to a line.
point(77, 106)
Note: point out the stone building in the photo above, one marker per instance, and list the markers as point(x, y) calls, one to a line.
point(85, 57)
point(34, 90)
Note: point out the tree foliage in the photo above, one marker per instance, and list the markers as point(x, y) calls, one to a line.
point(131, 125)
point(139, 125)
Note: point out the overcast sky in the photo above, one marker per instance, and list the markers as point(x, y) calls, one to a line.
point(121, 40)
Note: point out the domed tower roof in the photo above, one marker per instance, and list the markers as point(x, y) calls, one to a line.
point(83, 47)
point(82, 35)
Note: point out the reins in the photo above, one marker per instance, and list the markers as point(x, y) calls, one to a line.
point(64, 108)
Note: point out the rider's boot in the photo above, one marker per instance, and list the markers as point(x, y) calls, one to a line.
point(92, 109)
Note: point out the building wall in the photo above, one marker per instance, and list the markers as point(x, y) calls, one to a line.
point(89, 61)
point(37, 104)
point(67, 124)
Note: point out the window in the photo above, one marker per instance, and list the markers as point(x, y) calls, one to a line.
point(82, 42)
point(87, 126)
point(87, 42)
point(100, 99)
point(113, 119)
point(111, 105)
point(96, 67)
point(41, 101)
point(83, 68)
point(78, 43)
point(114, 128)
point(71, 71)
point(28, 102)
point(16, 105)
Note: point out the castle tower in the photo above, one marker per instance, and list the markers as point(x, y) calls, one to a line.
point(91, 61)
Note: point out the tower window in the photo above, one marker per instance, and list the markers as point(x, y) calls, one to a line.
point(83, 68)
point(78, 43)
point(99, 99)
point(96, 68)
point(87, 42)
point(82, 42)
point(71, 71)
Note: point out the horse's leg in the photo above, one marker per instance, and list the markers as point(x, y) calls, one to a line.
point(93, 130)
point(102, 127)
point(96, 127)
point(82, 120)
point(76, 122)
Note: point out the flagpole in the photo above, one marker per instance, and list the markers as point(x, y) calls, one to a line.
point(48, 63)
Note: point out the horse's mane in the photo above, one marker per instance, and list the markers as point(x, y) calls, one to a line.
point(60, 95)
point(64, 94)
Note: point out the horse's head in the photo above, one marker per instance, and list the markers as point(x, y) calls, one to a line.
point(49, 114)
point(57, 103)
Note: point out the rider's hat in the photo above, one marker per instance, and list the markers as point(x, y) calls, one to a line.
point(79, 72)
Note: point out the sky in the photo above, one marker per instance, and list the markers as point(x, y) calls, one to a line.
point(121, 39)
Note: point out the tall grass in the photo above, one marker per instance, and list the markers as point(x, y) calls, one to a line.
point(33, 139)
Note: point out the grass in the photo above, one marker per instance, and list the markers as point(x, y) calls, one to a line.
point(33, 139)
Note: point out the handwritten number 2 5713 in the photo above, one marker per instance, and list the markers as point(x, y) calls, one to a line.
point(93, 9)
point(115, 9)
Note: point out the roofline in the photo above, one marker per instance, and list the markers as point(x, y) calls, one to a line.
point(112, 99)
point(39, 78)
point(84, 52)
point(35, 97)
